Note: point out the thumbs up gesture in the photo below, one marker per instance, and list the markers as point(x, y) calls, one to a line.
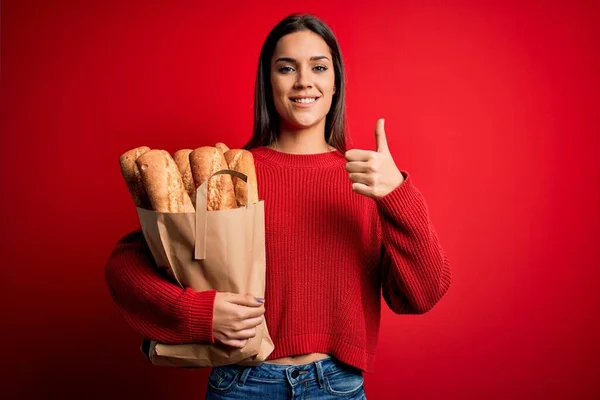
point(374, 173)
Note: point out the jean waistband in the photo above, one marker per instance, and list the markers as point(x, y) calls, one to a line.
point(292, 372)
point(291, 365)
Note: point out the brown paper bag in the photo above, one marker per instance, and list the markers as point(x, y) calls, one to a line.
point(222, 250)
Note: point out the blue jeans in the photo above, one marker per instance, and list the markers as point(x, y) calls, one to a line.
point(323, 379)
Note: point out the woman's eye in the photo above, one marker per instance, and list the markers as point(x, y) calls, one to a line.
point(285, 70)
point(321, 68)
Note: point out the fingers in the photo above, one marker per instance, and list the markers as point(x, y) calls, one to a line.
point(239, 337)
point(367, 167)
point(373, 173)
point(241, 313)
point(244, 300)
point(358, 166)
point(250, 312)
point(242, 335)
point(363, 189)
point(252, 322)
point(364, 178)
point(359, 155)
point(236, 318)
point(235, 307)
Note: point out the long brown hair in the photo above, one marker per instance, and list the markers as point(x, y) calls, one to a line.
point(266, 118)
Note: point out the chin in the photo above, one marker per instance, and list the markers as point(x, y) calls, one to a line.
point(302, 124)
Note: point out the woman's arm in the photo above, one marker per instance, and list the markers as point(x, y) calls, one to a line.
point(415, 270)
point(155, 307)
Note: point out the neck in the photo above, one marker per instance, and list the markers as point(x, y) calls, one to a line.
point(309, 140)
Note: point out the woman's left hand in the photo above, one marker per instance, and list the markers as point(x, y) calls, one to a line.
point(374, 173)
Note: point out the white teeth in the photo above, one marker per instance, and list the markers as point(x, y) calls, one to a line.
point(306, 100)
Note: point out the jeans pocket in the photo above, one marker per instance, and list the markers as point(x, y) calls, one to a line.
point(222, 379)
point(344, 381)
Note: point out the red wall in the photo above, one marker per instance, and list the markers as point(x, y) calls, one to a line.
point(493, 109)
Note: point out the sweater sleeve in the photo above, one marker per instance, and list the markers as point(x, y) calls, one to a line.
point(154, 306)
point(415, 270)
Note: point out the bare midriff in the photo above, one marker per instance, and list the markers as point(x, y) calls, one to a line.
point(300, 359)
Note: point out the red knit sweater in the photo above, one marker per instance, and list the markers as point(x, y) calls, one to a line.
point(330, 254)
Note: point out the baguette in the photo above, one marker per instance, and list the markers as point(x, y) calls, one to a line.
point(133, 179)
point(163, 182)
point(243, 161)
point(182, 159)
point(222, 146)
point(205, 161)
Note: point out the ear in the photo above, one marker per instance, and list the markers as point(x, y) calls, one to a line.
point(334, 89)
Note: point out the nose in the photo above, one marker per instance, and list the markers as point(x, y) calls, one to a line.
point(303, 78)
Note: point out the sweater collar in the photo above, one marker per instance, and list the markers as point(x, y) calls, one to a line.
point(318, 160)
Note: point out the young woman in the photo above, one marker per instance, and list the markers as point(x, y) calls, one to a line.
point(341, 228)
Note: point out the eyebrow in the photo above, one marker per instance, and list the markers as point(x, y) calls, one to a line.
point(292, 60)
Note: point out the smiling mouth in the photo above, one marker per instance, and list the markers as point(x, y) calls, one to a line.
point(305, 100)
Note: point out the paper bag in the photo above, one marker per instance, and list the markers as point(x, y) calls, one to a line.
point(222, 250)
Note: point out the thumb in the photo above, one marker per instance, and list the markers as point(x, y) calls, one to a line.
point(380, 139)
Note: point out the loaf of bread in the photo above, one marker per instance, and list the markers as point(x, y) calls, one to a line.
point(163, 182)
point(243, 161)
point(133, 179)
point(182, 159)
point(222, 146)
point(205, 161)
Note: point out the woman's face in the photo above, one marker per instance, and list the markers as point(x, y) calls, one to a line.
point(302, 77)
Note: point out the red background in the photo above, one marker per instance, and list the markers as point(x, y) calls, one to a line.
point(493, 108)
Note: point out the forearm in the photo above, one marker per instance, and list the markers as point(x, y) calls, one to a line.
point(415, 272)
point(155, 307)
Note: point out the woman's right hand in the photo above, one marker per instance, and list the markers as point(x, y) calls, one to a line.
point(235, 318)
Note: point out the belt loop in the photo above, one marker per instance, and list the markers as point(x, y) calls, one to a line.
point(244, 376)
point(320, 378)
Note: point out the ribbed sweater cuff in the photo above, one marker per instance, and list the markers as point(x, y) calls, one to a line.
point(404, 196)
point(199, 308)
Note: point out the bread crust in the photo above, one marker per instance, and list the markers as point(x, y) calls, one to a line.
point(163, 182)
point(133, 179)
point(243, 161)
point(222, 146)
point(182, 159)
point(205, 161)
